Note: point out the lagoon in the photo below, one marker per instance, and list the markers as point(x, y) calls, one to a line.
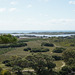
point(42, 35)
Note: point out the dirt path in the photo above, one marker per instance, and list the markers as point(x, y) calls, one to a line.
point(63, 64)
point(30, 70)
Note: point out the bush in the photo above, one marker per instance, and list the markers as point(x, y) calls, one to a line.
point(5, 61)
point(39, 50)
point(4, 46)
point(72, 44)
point(27, 49)
point(5, 72)
point(57, 57)
point(58, 50)
point(18, 45)
point(8, 64)
point(65, 70)
point(7, 38)
point(14, 45)
point(0, 69)
point(47, 44)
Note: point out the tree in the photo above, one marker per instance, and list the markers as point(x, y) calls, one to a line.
point(18, 70)
point(42, 64)
point(7, 39)
point(5, 72)
point(69, 57)
point(67, 70)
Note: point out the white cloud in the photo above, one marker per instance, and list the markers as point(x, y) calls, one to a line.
point(56, 22)
point(2, 9)
point(29, 6)
point(12, 9)
point(34, 24)
point(13, 3)
point(71, 2)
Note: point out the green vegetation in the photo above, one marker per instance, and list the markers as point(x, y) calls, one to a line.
point(27, 49)
point(47, 44)
point(13, 45)
point(4, 39)
point(38, 56)
point(56, 57)
point(5, 50)
point(58, 50)
point(37, 49)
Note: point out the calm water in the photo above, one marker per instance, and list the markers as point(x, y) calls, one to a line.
point(40, 35)
point(29, 31)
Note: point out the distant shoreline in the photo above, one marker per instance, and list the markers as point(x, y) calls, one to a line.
point(36, 31)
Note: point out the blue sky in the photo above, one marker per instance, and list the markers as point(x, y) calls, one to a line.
point(37, 14)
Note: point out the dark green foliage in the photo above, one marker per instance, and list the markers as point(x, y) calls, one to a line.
point(4, 46)
point(27, 49)
point(72, 44)
point(69, 57)
point(4, 39)
point(18, 45)
point(18, 70)
point(0, 69)
point(7, 73)
point(66, 70)
point(13, 45)
point(42, 64)
point(36, 49)
point(8, 64)
point(47, 44)
point(39, 50)
point(56, 57)
point(5, 61)
point(58, 50)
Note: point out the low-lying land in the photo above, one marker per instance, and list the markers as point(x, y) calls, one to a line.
point(38, 56)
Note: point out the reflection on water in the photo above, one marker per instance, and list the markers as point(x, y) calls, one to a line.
point(41, 35)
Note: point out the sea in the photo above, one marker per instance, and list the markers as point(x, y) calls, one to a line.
point(25, 32)
point(30, 31)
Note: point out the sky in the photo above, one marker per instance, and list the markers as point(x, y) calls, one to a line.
point(37, 14)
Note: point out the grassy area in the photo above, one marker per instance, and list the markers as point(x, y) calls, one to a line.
point(32, 43)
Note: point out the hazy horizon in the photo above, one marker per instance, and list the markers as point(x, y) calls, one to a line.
point(30, 31)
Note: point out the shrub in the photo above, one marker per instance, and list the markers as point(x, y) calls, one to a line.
point(58, 50)
point(27, 49)
point(8, 64)
point(65, 71)
point(5, 61)
point(39, 50)
point(18, 45)
point(4, 46)
point(5, 72)
point(14, 45)
point(0, 69)
point(57, 57)
point(7, 38)
point(47, 44)
point(72, 44)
